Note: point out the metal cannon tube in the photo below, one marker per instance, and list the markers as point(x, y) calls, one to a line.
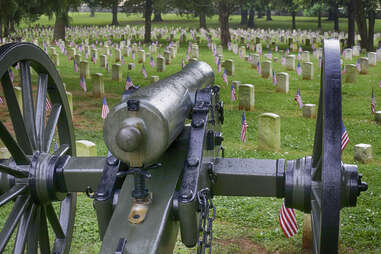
point(139, 129)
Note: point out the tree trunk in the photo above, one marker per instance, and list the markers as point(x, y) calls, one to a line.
point(92, 12)
point(330, 14)
point(319, 19)
point(243, 16)
point(250, 23)
point(59, 26)
point(351, 24)
point(6, 28)
point(157, 16)
point(12, 25)
point(203, 20)
point(147, 23)
point(223, 17)
point(260, 14)
point(115, 13)
point(361, 23)
point(293, 13)
point(268, 14)
point(336, 17)
point(372, 21)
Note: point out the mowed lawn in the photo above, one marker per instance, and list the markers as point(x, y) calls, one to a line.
point(246, 225)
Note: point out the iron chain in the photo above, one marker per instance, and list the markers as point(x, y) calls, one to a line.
point(205, 234)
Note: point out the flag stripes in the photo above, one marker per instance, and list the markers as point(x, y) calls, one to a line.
point(287, 220)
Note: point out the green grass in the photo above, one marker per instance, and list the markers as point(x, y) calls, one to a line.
point(278, 22)
point(246, 222)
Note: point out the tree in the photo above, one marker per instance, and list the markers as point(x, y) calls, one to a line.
point(159, 7)
point(202, 8)
point(113, 4)
point(351, 23)
point(92, 4)
point(145, 6)
point(366, 9)
point(225, 8)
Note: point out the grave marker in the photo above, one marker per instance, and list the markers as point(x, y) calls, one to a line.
point(269, 132)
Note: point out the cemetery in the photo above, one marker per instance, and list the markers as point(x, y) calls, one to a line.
point(187, 144)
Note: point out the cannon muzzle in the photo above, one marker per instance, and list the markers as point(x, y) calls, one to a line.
point(139, 129)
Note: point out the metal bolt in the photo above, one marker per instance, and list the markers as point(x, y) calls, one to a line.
point(192, 162)
point(112, 161)
point(136, 216)
point(186, 195)
point(198, 123)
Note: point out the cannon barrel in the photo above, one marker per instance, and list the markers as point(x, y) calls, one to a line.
point(139, 129)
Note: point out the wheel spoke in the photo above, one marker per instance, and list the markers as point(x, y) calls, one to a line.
point(33, 232)
point(13, 171)
point(62, 150)
point(27, 99)
point(44, 234)
point(51, 214)
point(316, 226)
point(12, 193)
point(23, 230)
point(51, 127)
point(40, 108)
point(15, 114)
point(21, 203)
point(17, 153)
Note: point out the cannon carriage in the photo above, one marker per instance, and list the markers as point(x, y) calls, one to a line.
point(147, 138)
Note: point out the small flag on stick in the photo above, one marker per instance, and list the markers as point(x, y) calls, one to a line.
point(233, 94)
point(48, 105)
point(299, 69)
point(83, 84)
point(225, 77)
point(344, 137)
point(275, 80)
point(287, 220)
point(244, 127)
point(144, 72)
point(105, 109)
point(298, 98)
point(129, 83)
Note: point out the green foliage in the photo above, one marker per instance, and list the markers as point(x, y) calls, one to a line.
point(315, 9)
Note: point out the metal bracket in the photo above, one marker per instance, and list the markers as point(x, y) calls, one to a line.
point(139, 209)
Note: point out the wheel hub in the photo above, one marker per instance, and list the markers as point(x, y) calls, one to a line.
point(42, 178)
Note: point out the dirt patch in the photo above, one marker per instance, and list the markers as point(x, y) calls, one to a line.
point(246, 246)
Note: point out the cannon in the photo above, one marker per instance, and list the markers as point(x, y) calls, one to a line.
point(168, 132)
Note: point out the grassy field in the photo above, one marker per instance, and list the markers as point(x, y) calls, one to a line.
point(246, 225)
point(278, 22)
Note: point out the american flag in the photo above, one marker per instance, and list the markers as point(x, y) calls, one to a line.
point(259, 67)
point(1, 100)
point(225, 77)
point(300, 49)
point(11, 75)
point(233, 94)
point(229, 46)
point(129, 82)
point(182, 63)
point(344, 137)
point(299, 69)
point(83, 84)
point(299, 56)
point(216, 59)
point(244, 127)
point(48, 105)
point(276, 48)
point(75, 66)
point(275, 80)
point(152, 62)
point(287, 220)
point(358, 65)
point(219, 65)
point(133, 54)
point(373, 103)
point(283, 61)
point(86, 55)
point(144, 72)
point(298, 98)
point(105, 109)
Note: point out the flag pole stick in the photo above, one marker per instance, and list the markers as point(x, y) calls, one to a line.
point(290, 245)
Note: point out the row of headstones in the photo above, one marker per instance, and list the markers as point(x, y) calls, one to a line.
point(349, 53)
point(246, 96)
point(269, 138)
